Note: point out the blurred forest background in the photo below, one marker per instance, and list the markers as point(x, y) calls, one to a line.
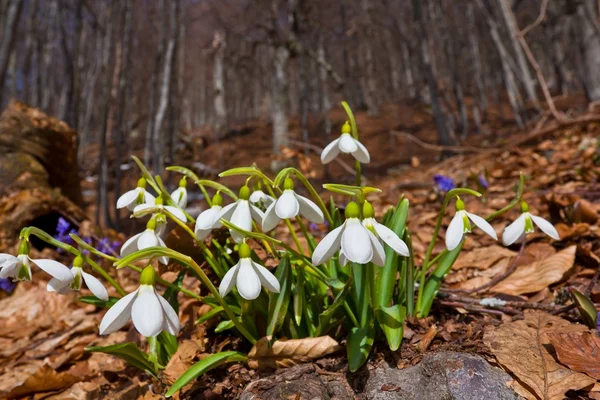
point(169, 80)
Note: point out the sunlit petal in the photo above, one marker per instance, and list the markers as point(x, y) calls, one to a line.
point(391, 239)
point(177, 213)
point(347, 144)
point(147, 313)
point(127, 198)
point(131, 245)
point(330, 152)
point(455, 231)
point(310, 210)
point(546, 227)
point(378, 251)
point(148, 239)
point(356, 243)
point(241, 218)
point(118, 315)
point(328, 246)
point(271, 219)
point(55, 269)
point(247, 282)
point(95, 286)
point(267, 279)
point(514, 231)
point(228, 281)
point(483, 225)
point(170, 317)
point(287, 206)
point(361, 153)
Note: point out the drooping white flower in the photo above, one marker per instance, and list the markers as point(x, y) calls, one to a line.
point(288, 206)
point(461, 224)
point(180, 195)
point(241, 213)
point(382, 232)
point(150, 312)
point(143, 240)
point(158, 207)
point(356, 242)
point(346, 144)
point(136, 196)
point(78, 274)
point(258, 197)
point(248, 276)
point(19, 267)
point(209, 219)
point(518, 229)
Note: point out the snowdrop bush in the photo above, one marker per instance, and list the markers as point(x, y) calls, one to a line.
point(359, 282)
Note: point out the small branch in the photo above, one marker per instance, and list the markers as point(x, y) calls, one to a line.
point(435, 147)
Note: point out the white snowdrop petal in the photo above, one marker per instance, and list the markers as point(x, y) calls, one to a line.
point(455, 231)
point(257, 214)
point(287, 205)
point(206, 222)
point(148, 197)
point(247, 281)
point(241, 218)
point(256, 196)
point(483, 225)
point(147, 313)
point(118, 315)
point(171, 319)
point(514, 231)
point(267, 279)
point(228, 280)
point(342, 258)
point(56, 285)
point(390, 238)
point(271, 219)
point(546, 227)
point(55, 269)
point(330, 151)
point(310, 210)
point(130, 245)
point(328, 246)
point(163, 259)
point(355, 242)
point(361, 153)
point(143, 207)
point(179, 196)
point(127, 198)
point(8, 270)
point(147, 239)
point(95, 286)
point(347, 144)
point(227, 211)
point(177, 213)
point(378, 251)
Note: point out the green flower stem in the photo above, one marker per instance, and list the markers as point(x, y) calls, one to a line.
point(409, 277)
point(350, 314)
point(104, 274)
point(358, 168)
point(294, 236)
point(300, 176)
point(113, 260)
point(189, 261)
point(449, 196)
point(217, 186)
point(516, 201)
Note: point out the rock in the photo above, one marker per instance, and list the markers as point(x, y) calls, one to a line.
point(441, 376)
point(303, 380)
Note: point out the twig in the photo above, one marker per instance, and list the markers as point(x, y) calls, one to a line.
point(497, 279)
point(454, 149)
point(541, 17)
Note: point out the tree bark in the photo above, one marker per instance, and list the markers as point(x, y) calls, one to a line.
point(7, 42)
point(279, 98)
point(591, 49)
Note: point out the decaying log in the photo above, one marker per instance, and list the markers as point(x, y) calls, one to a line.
point(38, 172)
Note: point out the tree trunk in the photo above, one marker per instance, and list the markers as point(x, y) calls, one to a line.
point(591, 49)
point(443, 137)
point(523, 66)
point(370, 90)
point(279, 98)
point(7, 41)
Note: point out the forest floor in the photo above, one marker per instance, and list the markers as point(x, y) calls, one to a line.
point(530, 333)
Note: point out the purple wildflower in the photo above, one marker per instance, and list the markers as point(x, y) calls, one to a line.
point(482, 181)
point(105, 245)
point(313, 227)
point(598, 321)
point(444, 183)
point(7, 285)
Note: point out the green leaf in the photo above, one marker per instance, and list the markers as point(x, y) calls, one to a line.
point(128, 352)
point(93, 300)
point(435, 280)
point(203, 366)
point(359, 343)
point(325, 316)
point(586, 308)
point(162, 348)
point(224, 325)
point(391, 320)
point(299, 295)
point(386, 276)
point(278, 302)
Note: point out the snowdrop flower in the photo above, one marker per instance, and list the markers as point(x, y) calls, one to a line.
point(150, 312)
point(148, 238)
point(346, 144)
point(248, 276)
point(63, 287)
point(209, 219)
point(516, 231)
point(356, 242)
point(461, 224)
point(383, 232)
point(180, 195)
point(159, 207)
point(19, 267)
point(288, 206)
point(139, 195)
point(241, 213)
point(258, 197)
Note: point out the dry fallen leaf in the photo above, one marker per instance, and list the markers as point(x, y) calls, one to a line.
point(521, 348)
point(285, 353)
point(581, 353)
point(428, 338)
point(539, 274)
point(482, 257)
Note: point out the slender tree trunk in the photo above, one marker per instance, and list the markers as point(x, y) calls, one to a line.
point(279, 98)
point(370, 90)
point(591, 49)
point(48, 54)
point(527, 79)
point(476, 59)
point(219, 104)
point(443, 137)
point(72, 97)
point(8, 39)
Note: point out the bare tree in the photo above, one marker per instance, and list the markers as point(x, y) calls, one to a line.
point(7, 42)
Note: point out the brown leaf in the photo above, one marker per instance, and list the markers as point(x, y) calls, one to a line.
point(581, 353)
point(539, 274)
point(285, 353)
point(482, 257)
point(522, 348)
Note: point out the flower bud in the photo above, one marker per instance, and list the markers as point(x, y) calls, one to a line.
point(460, 205)
point(244, 250)
point(352, 210)
point(368, 210)
point(141, 183)
point(244, 193)
point(182, 182)
point(78, 262)
point(148, 276)
point(346, 128)
point(217, 200)
point(288, 184)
